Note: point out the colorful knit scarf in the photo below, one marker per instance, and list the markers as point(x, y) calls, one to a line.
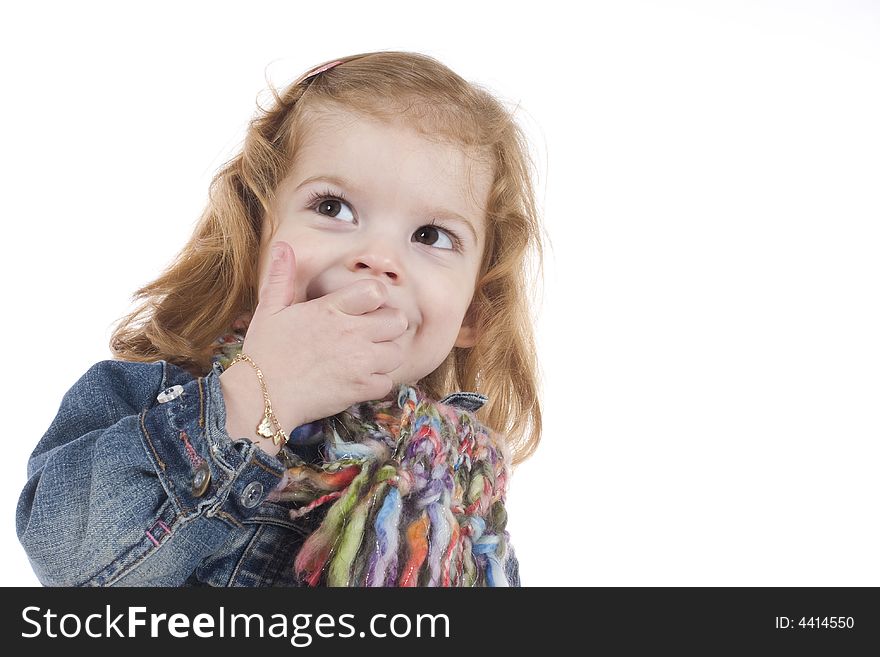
point(417, 490)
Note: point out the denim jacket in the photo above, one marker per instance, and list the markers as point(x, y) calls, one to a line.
point(137, 483)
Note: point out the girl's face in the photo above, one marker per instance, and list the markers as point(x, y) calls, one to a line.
point(360, 202)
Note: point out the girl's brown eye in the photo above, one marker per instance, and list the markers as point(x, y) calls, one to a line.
point(431, 233)
point(330, 206)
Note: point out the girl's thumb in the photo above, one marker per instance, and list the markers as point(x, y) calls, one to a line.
point(278, 289)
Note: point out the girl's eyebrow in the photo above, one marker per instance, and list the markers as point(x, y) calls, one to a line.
point(335, 180)
point(342, 182)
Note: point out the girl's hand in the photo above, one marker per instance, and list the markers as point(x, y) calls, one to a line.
point(321, 356)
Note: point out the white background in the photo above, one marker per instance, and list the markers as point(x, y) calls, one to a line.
point(708, 174)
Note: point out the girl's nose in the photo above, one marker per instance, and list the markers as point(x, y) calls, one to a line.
point(378, 262)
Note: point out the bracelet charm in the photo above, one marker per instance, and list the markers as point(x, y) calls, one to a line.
point(269, 427)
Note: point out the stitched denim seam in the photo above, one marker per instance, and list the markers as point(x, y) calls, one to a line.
point(167, 483)
point(277, 522)
point(201, 403)
point(150, 442)
point(231, 518)
point(266, 468)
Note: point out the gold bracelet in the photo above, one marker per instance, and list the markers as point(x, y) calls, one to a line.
point(264, 429)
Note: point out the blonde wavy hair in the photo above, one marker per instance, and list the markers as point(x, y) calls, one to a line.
point(213, 279)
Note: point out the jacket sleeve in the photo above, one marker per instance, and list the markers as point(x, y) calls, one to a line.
point(136, 481)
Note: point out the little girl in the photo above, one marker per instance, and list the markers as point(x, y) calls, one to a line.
point(286, 405)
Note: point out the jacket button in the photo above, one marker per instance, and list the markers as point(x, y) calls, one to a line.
point(169, 393)
point(201, 479)
point(252, 495)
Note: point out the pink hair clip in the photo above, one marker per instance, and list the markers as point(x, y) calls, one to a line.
point(321, 69)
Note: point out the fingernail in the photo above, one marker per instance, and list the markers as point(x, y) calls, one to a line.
point(277, 252)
